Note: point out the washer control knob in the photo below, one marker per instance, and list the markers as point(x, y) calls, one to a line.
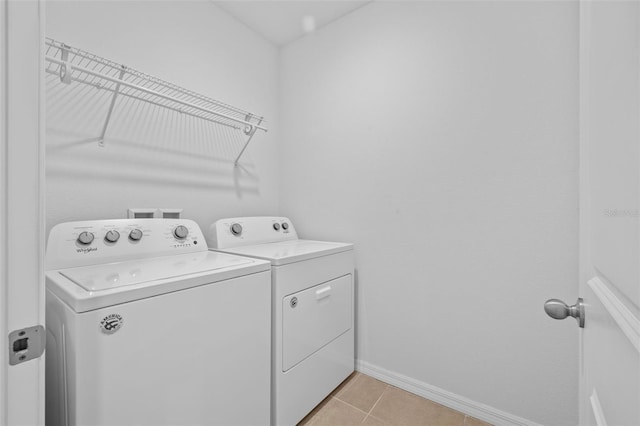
point(236, 229)
point(276, 226)
point(285, 225)
point(85, 238)
point(135, 235)
point(112, 236)
point(180, 232)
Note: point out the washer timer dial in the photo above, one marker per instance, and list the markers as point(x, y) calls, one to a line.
point(180, 232)
point(135, 235)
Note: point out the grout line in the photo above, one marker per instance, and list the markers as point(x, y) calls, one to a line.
point(352, 406)
point(349, 384)
point(374, 417)
point(378, 400)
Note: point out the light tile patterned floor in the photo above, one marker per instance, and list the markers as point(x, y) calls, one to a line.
point(363, 400)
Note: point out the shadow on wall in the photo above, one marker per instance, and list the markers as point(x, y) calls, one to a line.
point(144, 143)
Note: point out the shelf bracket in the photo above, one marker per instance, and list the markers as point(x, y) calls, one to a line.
point(113, 102)
point(65, 66)
point(249, 130)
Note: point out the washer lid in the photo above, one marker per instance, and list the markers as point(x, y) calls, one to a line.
point(284, 252)
point(121, 274)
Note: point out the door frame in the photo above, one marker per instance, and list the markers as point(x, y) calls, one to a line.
point(22, 214)
point(584, 274)
point(3, 224)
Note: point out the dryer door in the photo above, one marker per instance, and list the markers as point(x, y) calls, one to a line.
point(314, 317)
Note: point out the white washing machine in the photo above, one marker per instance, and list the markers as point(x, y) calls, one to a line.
point(313, 304)
point(146, 326)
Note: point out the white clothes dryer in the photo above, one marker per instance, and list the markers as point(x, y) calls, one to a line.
point(313, 308)
point(146, 326)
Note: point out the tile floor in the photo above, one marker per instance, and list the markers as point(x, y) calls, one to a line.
point(363, 400)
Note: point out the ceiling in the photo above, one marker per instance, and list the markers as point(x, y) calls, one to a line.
point(282, 22)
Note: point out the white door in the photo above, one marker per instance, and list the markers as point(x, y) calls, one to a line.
point(610, 216)
point(21, 212)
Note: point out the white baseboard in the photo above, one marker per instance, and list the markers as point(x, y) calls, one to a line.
point(443, 397)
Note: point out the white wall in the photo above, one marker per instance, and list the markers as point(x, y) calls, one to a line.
point(153, 157)
point(441, 138)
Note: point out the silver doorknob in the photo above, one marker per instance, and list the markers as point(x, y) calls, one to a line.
point(557, 309)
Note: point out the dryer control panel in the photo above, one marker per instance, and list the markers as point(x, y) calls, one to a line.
point(75, 244)
point(242, 231)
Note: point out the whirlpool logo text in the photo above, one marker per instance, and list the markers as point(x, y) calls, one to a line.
point(87, 250)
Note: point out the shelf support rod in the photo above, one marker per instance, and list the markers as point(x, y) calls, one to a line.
point(249, 130)
point(113, 102)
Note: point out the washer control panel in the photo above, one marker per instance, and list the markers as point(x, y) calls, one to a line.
point(83, 243)
point(241, 231)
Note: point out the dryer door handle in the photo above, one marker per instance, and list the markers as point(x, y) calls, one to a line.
point(323, 292)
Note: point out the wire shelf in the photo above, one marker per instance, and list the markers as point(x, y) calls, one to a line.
point(76, 65)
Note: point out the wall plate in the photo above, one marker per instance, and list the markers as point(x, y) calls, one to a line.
point(141, 213)
point(169, 213)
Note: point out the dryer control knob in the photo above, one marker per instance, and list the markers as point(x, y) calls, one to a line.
point(135, 235)
point(276, 226)
point(112, 236)
point(180, 232)
point(285, 225)
point(85, 238)
point(236, 229)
